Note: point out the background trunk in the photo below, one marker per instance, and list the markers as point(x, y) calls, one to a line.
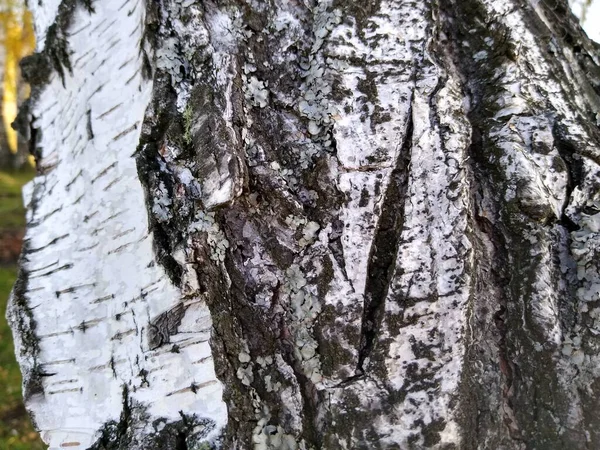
point(312, 225)
point(6, 156)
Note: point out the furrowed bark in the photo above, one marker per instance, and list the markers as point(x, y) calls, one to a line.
point(312, 225)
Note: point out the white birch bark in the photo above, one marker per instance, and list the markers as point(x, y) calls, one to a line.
point(95, 292)
point(312, 225)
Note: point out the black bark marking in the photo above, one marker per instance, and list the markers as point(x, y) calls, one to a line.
point(119, 336)
point(114, 108)
point(65, 391)
point(103, 299)
point(75, 178)
point(88, 127)
point(120, 248)
point(161, 328)
point(125, 132)
point(117, 435)
point(47, 266)
point(58, 269)
point(104, 172)
point(50, 214)
point(78, 199)
point(112, 183)
point(72, 289)
point(49, 244)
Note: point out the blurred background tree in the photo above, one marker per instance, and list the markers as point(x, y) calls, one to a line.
point(580, 8)
point(18, 40)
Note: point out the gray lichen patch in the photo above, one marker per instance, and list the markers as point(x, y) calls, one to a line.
point(256, 91)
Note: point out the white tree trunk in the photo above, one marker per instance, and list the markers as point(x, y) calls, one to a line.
point(304, 224)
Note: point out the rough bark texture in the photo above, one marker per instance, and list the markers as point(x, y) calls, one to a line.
point(312, 225)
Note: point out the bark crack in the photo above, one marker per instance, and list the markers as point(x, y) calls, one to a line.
point(384, 249)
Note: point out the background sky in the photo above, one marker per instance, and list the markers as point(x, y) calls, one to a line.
point(588, 12)
point(592, 23)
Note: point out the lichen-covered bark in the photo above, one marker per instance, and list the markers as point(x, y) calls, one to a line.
point(367, 224)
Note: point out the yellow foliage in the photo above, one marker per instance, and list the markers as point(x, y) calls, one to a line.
point(18, 40)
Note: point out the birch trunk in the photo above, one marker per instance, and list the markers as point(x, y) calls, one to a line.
point(304, 224)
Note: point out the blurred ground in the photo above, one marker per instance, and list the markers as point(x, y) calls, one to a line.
point(16, 431)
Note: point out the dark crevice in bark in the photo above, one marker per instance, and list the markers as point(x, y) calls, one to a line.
point(489, 283)
point(336, 247)
point(264, 335)
point(181, 442)
point(152, 172)
point(574, 166)
point(311, 429)
point(568, 152)
point(227, 310)
point(384, 248)
point(507, 368)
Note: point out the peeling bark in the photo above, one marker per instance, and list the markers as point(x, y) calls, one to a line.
point(312, 225)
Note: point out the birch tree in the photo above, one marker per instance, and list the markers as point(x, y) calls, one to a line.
point(16, 41)
point(301, 224)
